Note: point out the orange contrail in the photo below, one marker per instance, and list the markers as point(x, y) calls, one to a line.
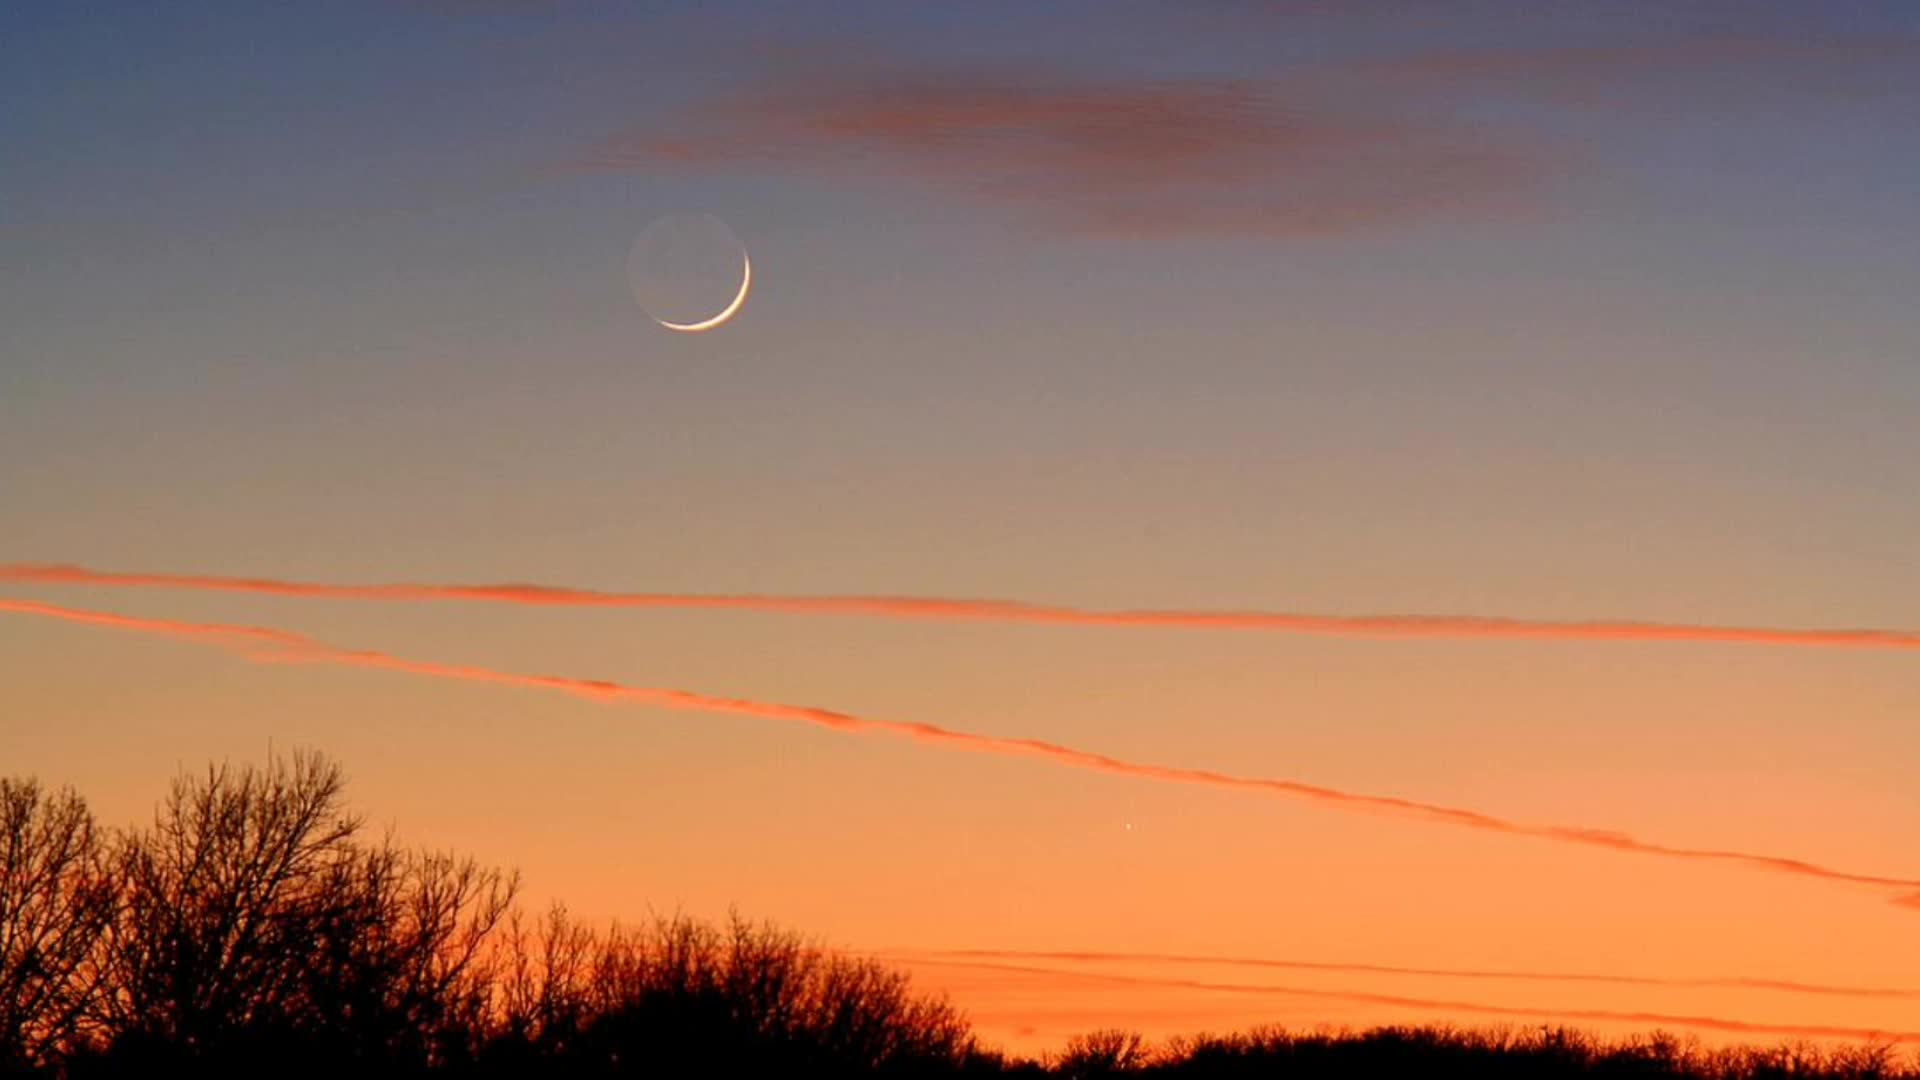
point(906, 607)
point(1711, 1023)
point(227, 634)
point(285, 646)
point(1694, 983)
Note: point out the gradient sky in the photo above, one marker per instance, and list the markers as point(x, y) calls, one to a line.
point(1564, 310)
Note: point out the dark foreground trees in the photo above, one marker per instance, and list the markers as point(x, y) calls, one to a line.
point(682, 998)
point(1436, 1052)
point(254, 923)
point(253, 930)
point(57, 897)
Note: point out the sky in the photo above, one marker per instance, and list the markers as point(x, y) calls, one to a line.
point(1561, 312)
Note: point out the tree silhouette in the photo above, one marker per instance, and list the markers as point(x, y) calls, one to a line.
point(254, 925)
point(56, 898)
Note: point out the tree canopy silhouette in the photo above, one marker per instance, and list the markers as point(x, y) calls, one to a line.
point(56, 898)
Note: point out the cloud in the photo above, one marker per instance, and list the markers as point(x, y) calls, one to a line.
point(1364, 141)
point(1144, 156)
point(276, 646)
point(1005, 611)
point(1720, 983)
point(1356, 997)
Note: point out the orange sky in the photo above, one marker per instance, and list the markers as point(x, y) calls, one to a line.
point(1171, 878)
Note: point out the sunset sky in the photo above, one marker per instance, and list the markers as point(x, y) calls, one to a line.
point(1555, 311)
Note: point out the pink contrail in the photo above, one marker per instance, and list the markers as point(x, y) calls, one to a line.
point(1735, 982)
point(1711, 1023)
point(936, 608)
point(281, 647)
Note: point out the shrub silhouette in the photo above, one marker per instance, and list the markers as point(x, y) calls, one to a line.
point(1541, 1053)
point(251, 930)
point(1108, 1052)
point(678, 997)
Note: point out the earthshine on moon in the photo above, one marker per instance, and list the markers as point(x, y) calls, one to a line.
point(689, 272)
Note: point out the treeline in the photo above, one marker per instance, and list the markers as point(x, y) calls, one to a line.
point(254, 929)
point(1438, 1052)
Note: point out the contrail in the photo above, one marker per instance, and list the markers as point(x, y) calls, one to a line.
point(275, 646)
point(1678, 982)
point(225, 634)
point(1008, 611)
point(1711, 1023)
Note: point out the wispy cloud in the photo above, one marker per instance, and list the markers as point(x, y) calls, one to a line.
point(1002, 611)
point(1142, 156)
point(1732, 982)
point(1363, 141)
point(1467, 1008)
point(287, 647)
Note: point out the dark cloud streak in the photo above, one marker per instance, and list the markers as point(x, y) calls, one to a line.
point(1366, 141)
point(1194, 155)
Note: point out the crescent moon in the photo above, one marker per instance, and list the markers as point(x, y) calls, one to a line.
point(746, 283)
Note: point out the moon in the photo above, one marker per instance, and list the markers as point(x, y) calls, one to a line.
point(728, 312)
point(689, 272)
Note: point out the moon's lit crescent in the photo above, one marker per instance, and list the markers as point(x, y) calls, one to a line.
point(746, 282)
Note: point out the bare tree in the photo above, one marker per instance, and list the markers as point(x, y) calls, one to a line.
point(221, 902)
point(416, 975)
point(256, 923)
point(56, 898)
point(545, 984)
